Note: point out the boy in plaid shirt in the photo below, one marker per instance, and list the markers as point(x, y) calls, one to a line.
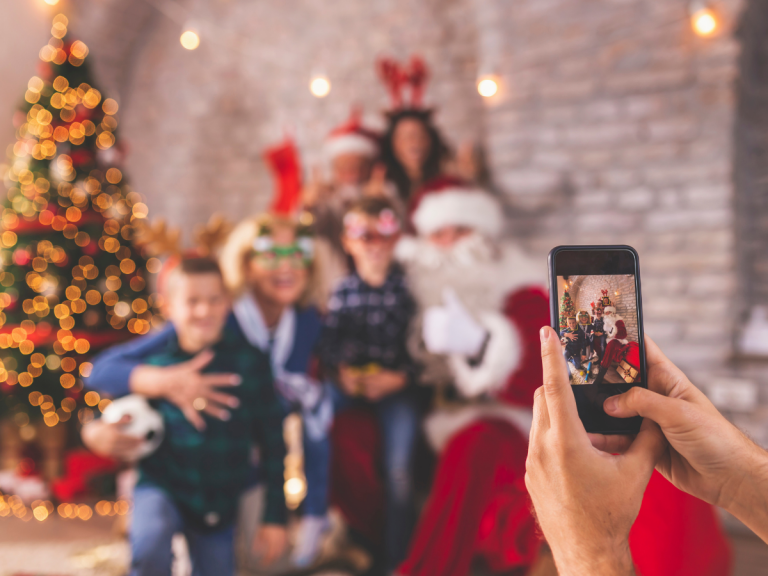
point(363, 346)
point(193, 482)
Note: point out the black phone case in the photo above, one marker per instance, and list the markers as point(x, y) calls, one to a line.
point(622, 425)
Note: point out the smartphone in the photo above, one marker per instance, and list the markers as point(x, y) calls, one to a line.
point(596, 308)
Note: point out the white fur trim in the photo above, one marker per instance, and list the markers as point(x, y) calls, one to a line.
point(407, 248)
point(502, 355)
point(350, 144)
point(440, 426)
point(472, 208)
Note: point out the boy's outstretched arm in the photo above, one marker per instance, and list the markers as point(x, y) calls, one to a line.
point(112, 368)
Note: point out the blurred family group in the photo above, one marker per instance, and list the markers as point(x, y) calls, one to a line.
point(385, 307)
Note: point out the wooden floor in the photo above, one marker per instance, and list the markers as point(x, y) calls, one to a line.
point(59, 547)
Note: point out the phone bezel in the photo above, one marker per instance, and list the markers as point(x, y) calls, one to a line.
point(621, 425)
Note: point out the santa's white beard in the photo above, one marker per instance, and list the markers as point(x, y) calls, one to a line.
point(609, 323)
point(482, 272)
point(471, 250)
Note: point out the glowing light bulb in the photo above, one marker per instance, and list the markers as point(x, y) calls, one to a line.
point(703, 21)
point(51, 2)
point(294, 486)
point(487, 86)
point(190, 39)
point(320, 86)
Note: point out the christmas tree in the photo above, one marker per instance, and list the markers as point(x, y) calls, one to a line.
point(567, 310)
point(71, 280)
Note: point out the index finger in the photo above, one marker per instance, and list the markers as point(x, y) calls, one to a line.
point(561, 404)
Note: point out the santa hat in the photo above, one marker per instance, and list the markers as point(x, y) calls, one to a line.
point(611, 309)
point(283, 160)
point(448, 201)
point(352, 137)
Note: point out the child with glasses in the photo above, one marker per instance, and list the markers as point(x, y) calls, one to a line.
point(363, 347)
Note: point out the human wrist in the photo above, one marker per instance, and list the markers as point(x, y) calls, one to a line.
point(608, 559)
point(149, 381)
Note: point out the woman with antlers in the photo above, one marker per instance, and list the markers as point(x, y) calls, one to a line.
point(412, 149)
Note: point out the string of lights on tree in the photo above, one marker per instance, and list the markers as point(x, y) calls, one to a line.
point(41, 510)
point(72, 279)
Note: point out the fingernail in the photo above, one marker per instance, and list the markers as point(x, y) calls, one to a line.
point(612, 404)
point(544, 333)
point(225, 415)
point(236, 380)
point(234, 402)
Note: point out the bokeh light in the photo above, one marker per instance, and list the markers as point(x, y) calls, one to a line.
point(487, 86)
point(320, 86)
point(703, 21)
point(190, 39)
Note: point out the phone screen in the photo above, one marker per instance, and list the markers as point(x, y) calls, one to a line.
point(598, 316)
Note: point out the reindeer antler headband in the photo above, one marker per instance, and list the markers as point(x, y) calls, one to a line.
point(396, 77)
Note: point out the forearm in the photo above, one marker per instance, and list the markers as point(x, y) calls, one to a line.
point(113, 369)
point(747, 492)
point(149, 381)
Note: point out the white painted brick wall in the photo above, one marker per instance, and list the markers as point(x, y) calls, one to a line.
point(613, 124)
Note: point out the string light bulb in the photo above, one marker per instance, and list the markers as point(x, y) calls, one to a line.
point(190, 39)
point(487, 86)
point(703, 19)
point(320, 86)
point(51, 2)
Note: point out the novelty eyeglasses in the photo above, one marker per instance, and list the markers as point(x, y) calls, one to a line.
point(387, 227)
point(269, 256)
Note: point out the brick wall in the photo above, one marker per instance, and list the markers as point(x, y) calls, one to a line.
point(615, 126)
point(197, 122)
point(614, 123)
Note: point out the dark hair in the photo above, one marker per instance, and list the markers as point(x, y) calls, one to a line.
point(370, 206)
point(438, 150)
point(193, 265)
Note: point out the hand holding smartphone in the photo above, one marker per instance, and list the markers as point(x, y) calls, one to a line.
point(596, 308)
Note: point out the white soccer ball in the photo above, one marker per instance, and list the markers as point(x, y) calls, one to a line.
point(146, 422)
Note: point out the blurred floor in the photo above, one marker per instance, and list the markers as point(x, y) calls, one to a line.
point(60, 547)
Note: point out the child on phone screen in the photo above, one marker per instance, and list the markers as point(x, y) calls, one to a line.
point(363, 347)
point(193, 482)
point(574, 341)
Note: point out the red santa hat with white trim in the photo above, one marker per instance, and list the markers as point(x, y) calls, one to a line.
point(352, 137)
point(448, 201)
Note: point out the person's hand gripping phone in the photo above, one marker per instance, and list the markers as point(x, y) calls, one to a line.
point(587, 488)
point(586, 499)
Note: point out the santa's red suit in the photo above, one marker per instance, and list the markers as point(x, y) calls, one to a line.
point(479, 508)
point(616, 337)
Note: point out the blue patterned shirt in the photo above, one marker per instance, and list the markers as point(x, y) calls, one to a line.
point(368, 325)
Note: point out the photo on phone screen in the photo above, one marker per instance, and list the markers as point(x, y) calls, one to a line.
point(598, 328)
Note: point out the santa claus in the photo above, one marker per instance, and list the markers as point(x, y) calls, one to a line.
point(481, 303)
point(616, 340)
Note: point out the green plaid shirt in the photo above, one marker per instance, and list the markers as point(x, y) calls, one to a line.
point(206, 472)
